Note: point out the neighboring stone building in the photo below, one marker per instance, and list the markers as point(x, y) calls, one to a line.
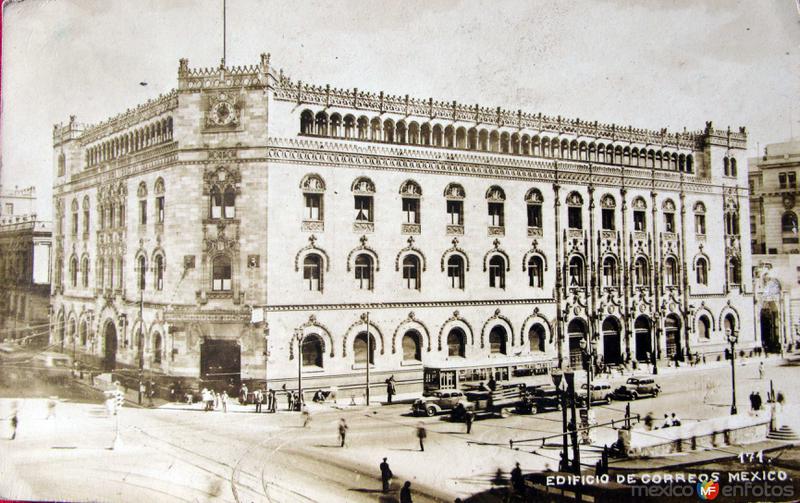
point(775, 244)
point(470, 235)
point(24, 267)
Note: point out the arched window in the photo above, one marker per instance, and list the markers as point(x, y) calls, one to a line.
point(456, 343)
point(608, 206)
point(729, 324)
point(411, 272)
point(229, 202)
point(497, 272)
point(158, 273)
point(375, 129)
point(641, 272)
point(363, 128)
point(536, 338)
point(141, 270)
point(412, 346)
point(85, 272)
point(349, 126)
point(215, 203)
point(101, 274)
point(576, 332)
point(312, 272)
point(575, 272)
point(221, 274)
point(726, 163)
point(74, 217)
point(364, 272)
point(157, 348)
point(575, 211)
point(83, 333)
point(411, 192)
point(703, 328)
point(734, 271)
point(455, 271)
point(496, 197)
point(609, 272)
point(701, 270)
point(536, 272)
point(62, 163)
point(361, 349)
point(86, 217)
point(388, 130)
point(670, 272)
point(312, 351)
point(700, 219)
point(534, 200)
point(73, 271)
point(335, 125)
point(321, 123)
point(497, 340)
point(733, 166)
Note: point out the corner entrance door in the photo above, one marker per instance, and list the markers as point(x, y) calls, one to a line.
point(220, 363)
point(110, 350)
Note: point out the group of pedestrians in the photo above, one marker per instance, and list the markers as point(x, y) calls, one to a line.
point(386, 482)
point(213, 400)
point(266, 398)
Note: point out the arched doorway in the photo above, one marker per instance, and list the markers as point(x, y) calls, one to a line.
point(497, 340)
point(644, 338)
point(361, 348)
point(576, 332)
point(612, 346)
point(110, 346)
point(536, 338)
point(672, 335)
point(769, 330)
point(456, 343)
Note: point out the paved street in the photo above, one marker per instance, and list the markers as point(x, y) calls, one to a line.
point(179, 453)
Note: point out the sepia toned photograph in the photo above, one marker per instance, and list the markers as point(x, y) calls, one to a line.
point(399, 251)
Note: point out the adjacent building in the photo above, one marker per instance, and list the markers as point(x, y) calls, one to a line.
point(775, 244)
point(25, 242)
point(246, 225)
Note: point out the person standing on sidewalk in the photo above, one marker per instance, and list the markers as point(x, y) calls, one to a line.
point(342, 431)
point(517, 481)
point(390, 389)
point(306, 415)
point(257, 399)
point(14, 421)
point(761, 371)
point(421, 435)
point(273, 401)
point(243, 394)
point(405, 493)
point(386, 475)
point(224, 400)
point(51, 408)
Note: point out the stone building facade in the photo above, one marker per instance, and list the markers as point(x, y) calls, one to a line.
point(775, 245)
point(25, 245)
point(274, 224)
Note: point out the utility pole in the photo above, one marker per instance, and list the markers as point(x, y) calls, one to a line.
point(140, 343)
point(298, 333)
point(369, 352)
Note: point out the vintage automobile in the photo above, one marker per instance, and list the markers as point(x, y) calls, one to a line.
point(539, 399)
point(500, 402)
point(637, 386)
point(601, 393)
point(52, 366)
point(437, 402)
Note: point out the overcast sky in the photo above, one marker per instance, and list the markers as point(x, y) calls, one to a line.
point(650, 64)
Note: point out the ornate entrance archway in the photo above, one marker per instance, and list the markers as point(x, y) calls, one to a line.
point(770, 339)
point(644, 337)
point(612, 345)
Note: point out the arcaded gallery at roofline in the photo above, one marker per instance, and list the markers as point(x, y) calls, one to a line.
point(245, 220)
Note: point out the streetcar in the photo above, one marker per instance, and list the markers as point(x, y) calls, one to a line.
point(454, 375)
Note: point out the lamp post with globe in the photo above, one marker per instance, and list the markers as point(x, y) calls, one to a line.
point(733, 337)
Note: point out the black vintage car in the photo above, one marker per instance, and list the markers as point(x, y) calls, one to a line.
point(539, 399)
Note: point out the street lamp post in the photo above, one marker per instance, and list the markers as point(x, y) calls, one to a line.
point(587, 352)
point(299, 336)
point(369, 354)
point(140, 342)
point(733, 337)
point(655, 329)
point(557, 376)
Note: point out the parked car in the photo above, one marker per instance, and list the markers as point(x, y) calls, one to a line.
point(636, 387)
point(499, 402)
point(52, 366)
point(540, 398)
point(437, 402)
point(601, 393)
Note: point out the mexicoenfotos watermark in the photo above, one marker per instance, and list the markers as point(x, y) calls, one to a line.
point(707, 491)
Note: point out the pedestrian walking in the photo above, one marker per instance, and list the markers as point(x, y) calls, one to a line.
point(306, 416)
point(386, 475)
point(761, 370)
point(273, 399)
point(342, 431)
point(405, 493)
point(151, 391)
point(469, 417)
point(224, 400)
point(243, 392)
point(51, 408)
point(517, 481)
point(648, 421)
point(421, 435)
point(757, 401)
point(289, 401)
point(390, 389)
point(14, 420)
point(257, 398)
point(752, 400)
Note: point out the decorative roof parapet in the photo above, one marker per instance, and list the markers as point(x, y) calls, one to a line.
point(147, 110)
point(223, 76)
point(288, 90)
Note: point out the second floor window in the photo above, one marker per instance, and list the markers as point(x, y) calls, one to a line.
point(608, 219)
point(159, 273)
point(497, 272)
point(141, 266)
point(782, 180)
point(221, 274)
point(313, 207)
point(410, 210)
point(160, 209)
point(700, 224)
point(312, 272)
point(411, 274)
point(792, 179)
point(639, 220)
point(455, 212)
point(363, 208)
point(701, 268)
point(574, 217)
point(496, 214)
point(535, 215)
point(142, 212)
point(455, 271)
point(669, 222)
point(364, 272)
point(535, 272)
